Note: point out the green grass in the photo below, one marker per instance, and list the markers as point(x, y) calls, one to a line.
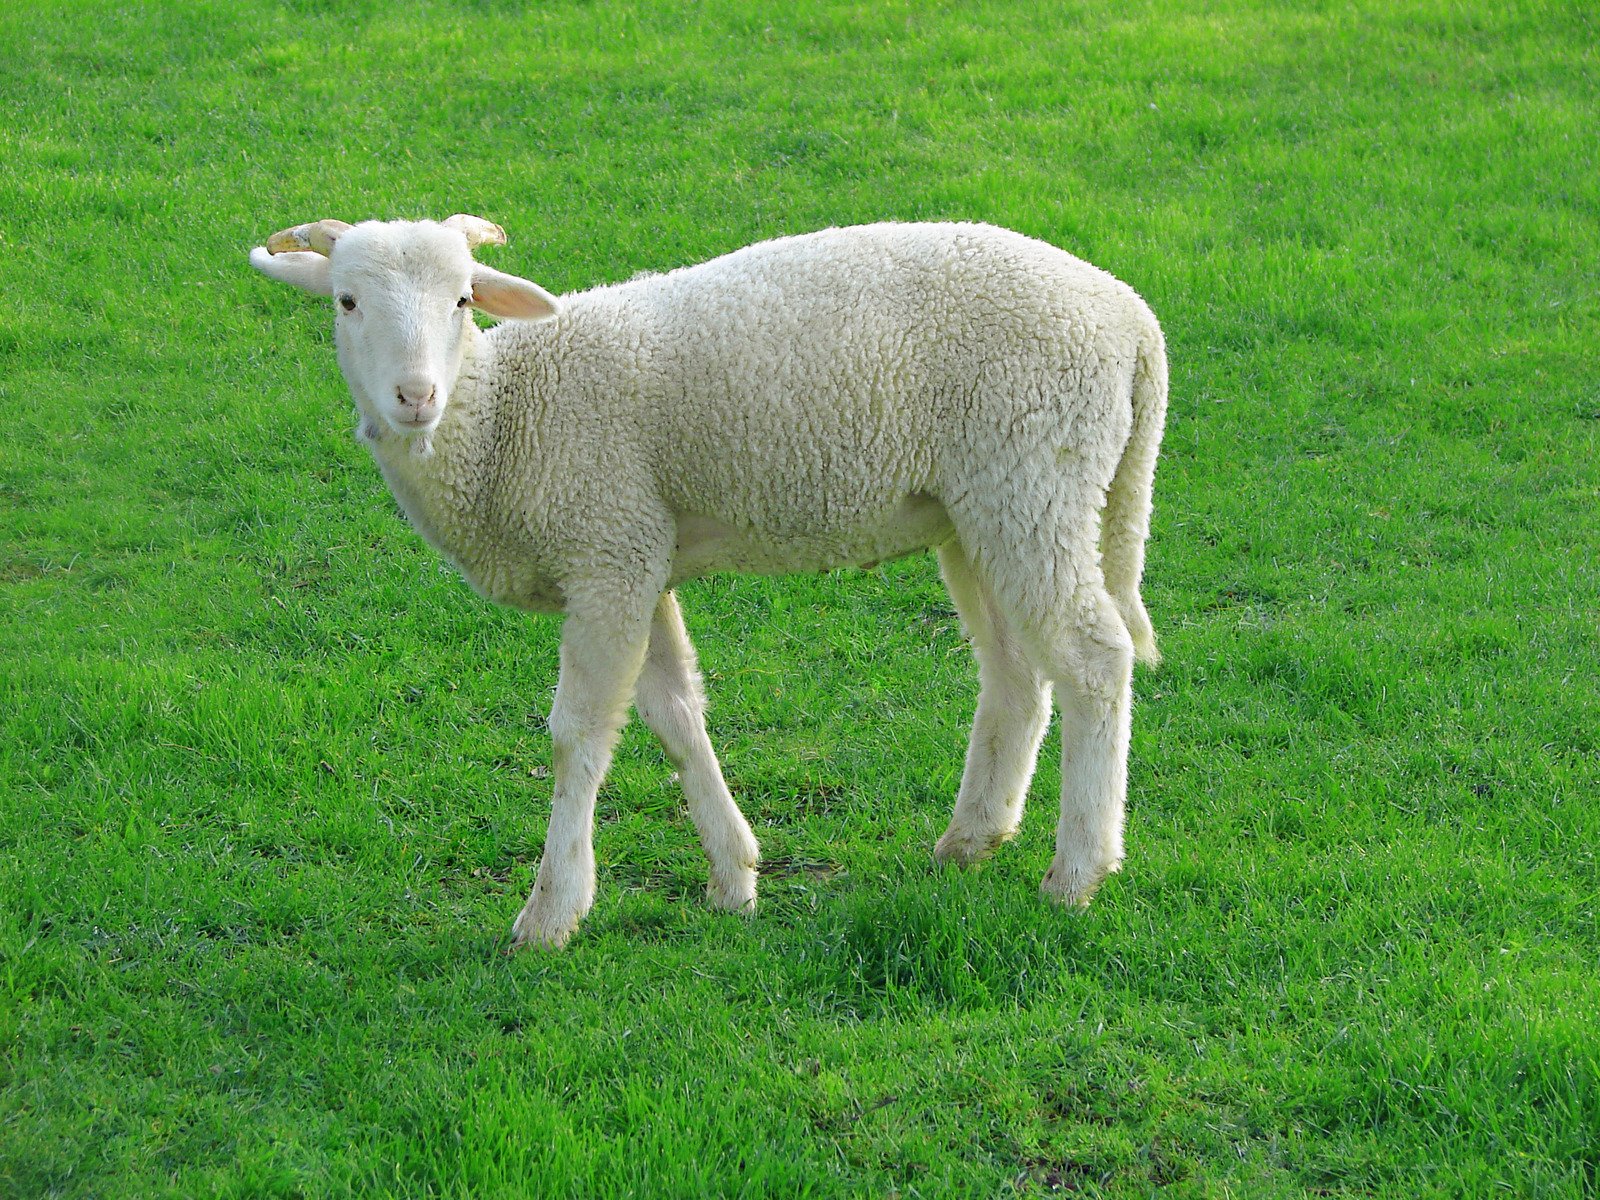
point(272, 781)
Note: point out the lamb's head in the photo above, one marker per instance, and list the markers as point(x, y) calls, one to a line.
point(401, 291)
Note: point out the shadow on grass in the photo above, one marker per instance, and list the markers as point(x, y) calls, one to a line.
point(915, 936)
point(902, 937)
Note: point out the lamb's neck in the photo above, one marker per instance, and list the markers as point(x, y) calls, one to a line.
point(442, 484)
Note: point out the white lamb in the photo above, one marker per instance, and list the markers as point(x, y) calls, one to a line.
point(806, 403)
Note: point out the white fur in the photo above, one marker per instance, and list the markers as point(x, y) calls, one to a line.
point(806, 403)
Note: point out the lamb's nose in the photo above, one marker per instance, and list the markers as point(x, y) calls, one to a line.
point(415, 394)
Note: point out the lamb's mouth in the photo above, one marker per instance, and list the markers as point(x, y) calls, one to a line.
point(410, 428)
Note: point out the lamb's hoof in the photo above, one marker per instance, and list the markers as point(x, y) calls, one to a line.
point(1074, 886)
point(542, 930)
point(967, 847)
point(733, 890)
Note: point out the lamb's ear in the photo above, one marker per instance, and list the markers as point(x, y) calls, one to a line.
point(502, 295)
point(304, 269)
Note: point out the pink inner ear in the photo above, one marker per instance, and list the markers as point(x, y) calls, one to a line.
point(512, 298)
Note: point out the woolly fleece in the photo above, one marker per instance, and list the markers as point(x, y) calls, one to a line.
point(826, 400)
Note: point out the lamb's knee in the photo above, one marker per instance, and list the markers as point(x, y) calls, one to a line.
point(1093, 668)
point(1105, 673)
point(581, 742)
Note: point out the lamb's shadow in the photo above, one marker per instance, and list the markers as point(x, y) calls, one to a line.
point(860, 942)
point(910, 936)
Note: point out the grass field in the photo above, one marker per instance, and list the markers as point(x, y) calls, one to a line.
point(272, 780)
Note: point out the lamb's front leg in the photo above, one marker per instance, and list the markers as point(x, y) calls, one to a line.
point(671, 702)
point(600, 662)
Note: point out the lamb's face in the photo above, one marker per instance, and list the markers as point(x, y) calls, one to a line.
point(401, 291)
point(402, 295)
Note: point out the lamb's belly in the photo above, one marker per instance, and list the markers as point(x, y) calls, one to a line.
point(707, 544)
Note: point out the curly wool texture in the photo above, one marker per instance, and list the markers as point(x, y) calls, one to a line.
point(826, 400)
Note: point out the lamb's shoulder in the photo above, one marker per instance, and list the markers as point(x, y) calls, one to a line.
point(571, 497)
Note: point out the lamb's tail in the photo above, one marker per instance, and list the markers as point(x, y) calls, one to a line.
point(1125, 523)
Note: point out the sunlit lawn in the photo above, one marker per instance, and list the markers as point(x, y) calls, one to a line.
point(273, 782)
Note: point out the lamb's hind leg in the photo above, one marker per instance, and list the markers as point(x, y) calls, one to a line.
point(670, 701)
point(1013, 712)
point(1046, 579)
point(1094, 683)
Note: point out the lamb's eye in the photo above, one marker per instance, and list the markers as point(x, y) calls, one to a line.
point(347, 302)
point(463, 302)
